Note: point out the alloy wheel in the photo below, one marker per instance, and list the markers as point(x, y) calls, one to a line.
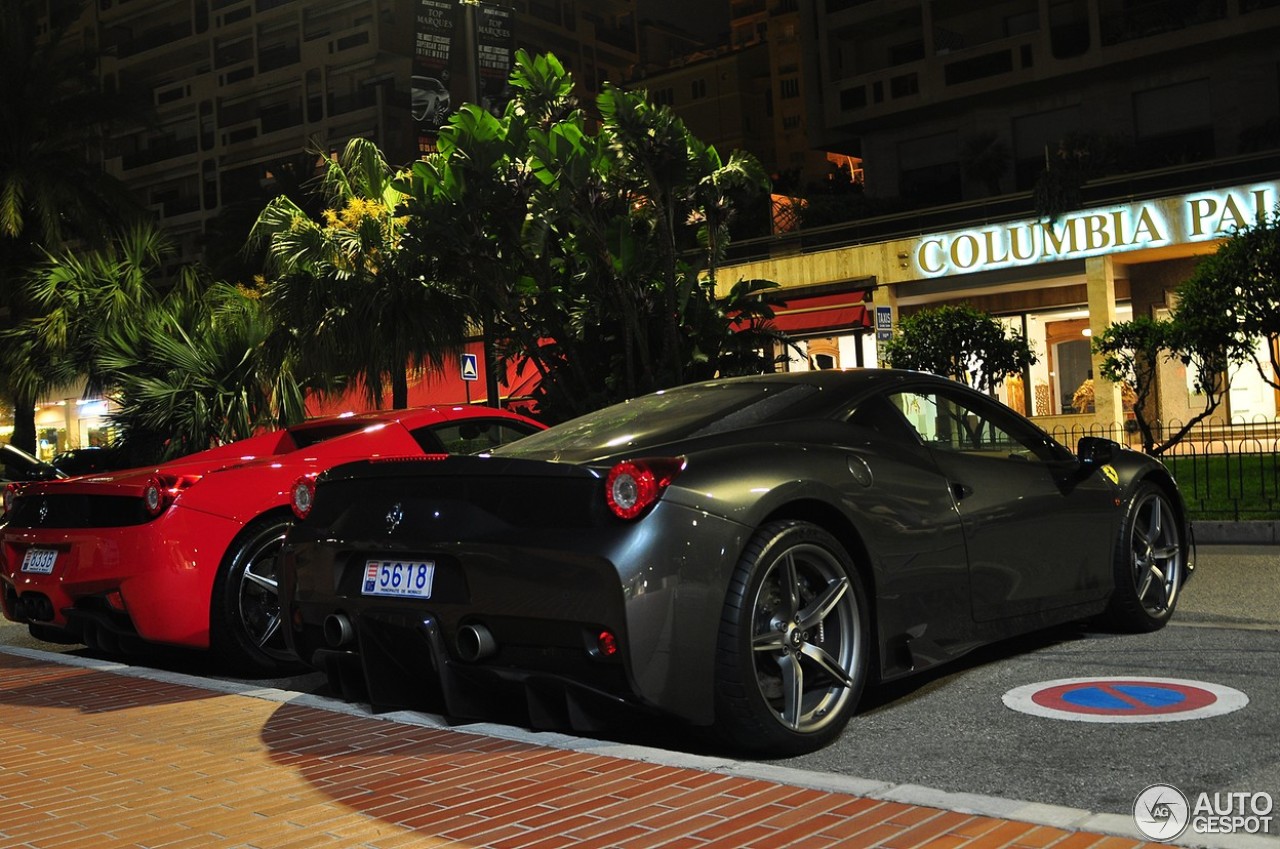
point(1157, 559)
point(806, 638)
point(258, 595)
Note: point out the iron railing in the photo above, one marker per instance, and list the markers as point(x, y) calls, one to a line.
point(1227, 470)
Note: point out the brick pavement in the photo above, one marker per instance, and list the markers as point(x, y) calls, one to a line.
point(95, 758)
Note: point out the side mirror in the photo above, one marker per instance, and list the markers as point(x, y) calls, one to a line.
point(1094, 451)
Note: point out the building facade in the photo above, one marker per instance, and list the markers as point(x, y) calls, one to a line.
point(1160, 121)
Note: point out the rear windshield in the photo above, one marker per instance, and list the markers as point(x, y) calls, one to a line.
point(681, 413)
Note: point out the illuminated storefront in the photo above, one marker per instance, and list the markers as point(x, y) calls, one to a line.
point(1060, 282)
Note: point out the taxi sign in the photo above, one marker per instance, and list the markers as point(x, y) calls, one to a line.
point(1135, 699)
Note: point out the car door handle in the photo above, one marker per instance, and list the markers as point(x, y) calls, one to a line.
point(960, 490)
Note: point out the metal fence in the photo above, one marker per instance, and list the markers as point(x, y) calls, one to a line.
point(1228, 470)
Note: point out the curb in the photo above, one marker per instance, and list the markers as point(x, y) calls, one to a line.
point(1054, 816)
point(1236, 533)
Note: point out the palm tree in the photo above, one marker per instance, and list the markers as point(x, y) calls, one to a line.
point(355, 301)
point(187, 368)
point(53, 189)
point(193, 370)
point(75, 299)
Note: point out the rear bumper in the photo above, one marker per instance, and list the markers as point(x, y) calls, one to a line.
point(656, 586)
point(152, 582)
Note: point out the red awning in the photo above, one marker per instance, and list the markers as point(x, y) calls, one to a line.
point(842, 312)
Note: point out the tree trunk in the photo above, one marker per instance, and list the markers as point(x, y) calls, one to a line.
point(400, 388)
point(24, 423)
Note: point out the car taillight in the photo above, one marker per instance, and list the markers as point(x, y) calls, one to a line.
point(153, 496)
point(160, 490)
point(303, 495)
point(634, 485)
point(10, 495)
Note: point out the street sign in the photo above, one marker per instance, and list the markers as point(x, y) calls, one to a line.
point(884, 324)
point(1125, 699)
point(470, 368)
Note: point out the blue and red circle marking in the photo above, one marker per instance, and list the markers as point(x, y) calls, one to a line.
point(1125, 699)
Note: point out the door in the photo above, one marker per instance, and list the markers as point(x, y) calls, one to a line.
point(1038, 535)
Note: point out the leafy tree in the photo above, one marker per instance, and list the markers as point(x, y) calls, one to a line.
point(76, 297)
point(592, 252)
point(961, 342)
point(346, 290)
point(191, 370)
point(52, 187)
point(1240, 283)
point(187, 368)
point(1198, 333)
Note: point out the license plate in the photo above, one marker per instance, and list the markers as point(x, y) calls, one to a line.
point(407, 578)
point(39, 560)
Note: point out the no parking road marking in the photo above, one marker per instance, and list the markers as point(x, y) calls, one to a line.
point(1125, 699)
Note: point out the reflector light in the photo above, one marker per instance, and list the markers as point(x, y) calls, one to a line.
point(607, 643)
point(303, 496)
point(116, 600)
point(634, 485)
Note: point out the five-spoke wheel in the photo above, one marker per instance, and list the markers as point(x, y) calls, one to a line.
point(794, 641)
point(245, 627)
point(1150, 562)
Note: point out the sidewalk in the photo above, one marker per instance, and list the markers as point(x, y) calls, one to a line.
point(98, 755)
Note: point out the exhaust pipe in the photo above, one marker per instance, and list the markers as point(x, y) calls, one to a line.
point(475, 642)
point(338, 630)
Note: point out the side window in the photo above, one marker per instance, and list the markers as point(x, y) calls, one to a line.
point(470, 437)
point(950, 424)
point(882, 415)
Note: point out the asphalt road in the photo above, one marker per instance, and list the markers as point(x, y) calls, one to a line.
point(951, 730)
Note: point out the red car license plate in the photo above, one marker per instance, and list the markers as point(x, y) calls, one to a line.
point(39, 560)
point(398, 578)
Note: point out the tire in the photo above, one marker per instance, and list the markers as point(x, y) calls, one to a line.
point(1149, 564)
point(794, 642)
point(246, 634)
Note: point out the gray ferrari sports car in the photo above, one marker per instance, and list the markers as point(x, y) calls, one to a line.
point(743, 553)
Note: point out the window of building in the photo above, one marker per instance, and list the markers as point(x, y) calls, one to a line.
point(698, 89)
point(789, 88)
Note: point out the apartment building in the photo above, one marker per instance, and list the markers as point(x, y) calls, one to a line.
point(241, 85)
point(1168, 113)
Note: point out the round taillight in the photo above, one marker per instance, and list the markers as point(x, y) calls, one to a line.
point(153, 497)
point(606, 644)
point(633, 485)
point(303, 496)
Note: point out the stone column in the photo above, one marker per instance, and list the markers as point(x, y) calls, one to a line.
point(1108, 408)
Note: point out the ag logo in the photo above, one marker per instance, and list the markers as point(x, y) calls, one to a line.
point(1161, 812)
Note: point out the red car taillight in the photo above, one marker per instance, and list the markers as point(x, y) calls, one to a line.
point(10, 495)
point(634, 485)
point(160, 490)
point(303, 495)
point(153, 496)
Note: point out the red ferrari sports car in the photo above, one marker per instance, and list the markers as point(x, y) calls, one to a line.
point(185, 553)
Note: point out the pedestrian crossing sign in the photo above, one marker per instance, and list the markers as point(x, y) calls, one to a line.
point(470, 370)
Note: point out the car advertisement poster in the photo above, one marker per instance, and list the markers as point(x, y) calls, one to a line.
point(494, 48)
point(430, 99)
